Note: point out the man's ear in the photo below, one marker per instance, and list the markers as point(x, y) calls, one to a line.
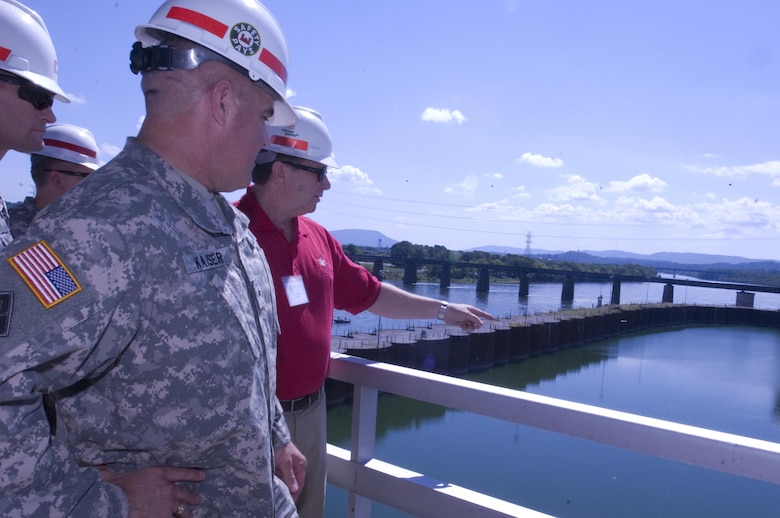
point(278, 172)
point(55, 179)
point(223, 102)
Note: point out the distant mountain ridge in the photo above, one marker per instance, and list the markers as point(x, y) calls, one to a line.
point(359, 237)
point(620, 257)
point(376, 239)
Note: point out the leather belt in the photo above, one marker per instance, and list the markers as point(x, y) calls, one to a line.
point(302, 403)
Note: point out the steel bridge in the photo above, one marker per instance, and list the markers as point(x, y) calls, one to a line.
point(410, 265)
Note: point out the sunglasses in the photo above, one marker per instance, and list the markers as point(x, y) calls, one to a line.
point(33, 94)
point(69, 173)
point(319, 171)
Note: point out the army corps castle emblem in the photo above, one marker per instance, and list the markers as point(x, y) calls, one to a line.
point(245, 38)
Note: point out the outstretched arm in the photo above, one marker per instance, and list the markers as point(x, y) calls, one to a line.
point(394, 302)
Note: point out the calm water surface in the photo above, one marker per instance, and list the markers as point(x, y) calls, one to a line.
point(503, 300)
point(726, 379)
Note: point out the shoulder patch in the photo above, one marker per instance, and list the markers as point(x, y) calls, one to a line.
point(45, 274)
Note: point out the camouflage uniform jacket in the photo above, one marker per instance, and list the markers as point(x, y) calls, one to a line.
point(21, 215)
point(159, 338)
point(5, 224)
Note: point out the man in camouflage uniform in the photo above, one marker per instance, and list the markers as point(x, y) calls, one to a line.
point(70, 153)
point(28, 86)
point(144, 303)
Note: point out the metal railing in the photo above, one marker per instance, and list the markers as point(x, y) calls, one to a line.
point(367, 479)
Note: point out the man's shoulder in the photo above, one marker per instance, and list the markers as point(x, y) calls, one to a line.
point(308, 224)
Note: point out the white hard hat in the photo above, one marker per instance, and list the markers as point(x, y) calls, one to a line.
point(70, 143)
point(26, 48)
point(243, 31)
point(309, 138)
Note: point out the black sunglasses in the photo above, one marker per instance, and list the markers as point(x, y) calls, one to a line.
point(33, 94)
point(319, 171)
point(69, 173)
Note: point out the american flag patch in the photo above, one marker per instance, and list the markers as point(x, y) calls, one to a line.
point(45, 274)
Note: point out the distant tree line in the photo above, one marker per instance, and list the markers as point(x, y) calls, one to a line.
point(762, 277)
point(405, 250)
point(762, 273)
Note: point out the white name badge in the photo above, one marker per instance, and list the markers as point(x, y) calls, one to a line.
point(295, 290)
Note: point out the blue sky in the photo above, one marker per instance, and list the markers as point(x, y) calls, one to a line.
point(643, 126)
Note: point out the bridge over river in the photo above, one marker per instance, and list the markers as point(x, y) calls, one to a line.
point(744, 292)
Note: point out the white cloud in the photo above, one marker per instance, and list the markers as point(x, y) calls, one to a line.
point(443, 115)
point(640, 183)
point(467, 188)
point(745, 217)
point(499, 207)
point(576, 188)
point(564, 213)
point(643, 216)
point(540, 161)
point(727, 218)
point(495, 176)
point(656, 209)
point(520, 192)
point(769, 168)
point(357, 180)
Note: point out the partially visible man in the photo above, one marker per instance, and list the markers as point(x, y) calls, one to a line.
point(312, 275)
point(28, 86)
point(69, 154)
point(144, 303)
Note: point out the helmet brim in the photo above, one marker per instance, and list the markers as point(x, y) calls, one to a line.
point(284, 115)
point(44, 82)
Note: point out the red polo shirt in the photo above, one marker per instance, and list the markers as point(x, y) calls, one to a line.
point(331, 281)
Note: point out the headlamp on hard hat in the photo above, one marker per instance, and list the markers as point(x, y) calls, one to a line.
point(165, 57)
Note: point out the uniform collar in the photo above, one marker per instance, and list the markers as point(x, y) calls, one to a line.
point(209, 211)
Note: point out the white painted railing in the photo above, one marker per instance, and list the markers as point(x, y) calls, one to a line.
point(367, 479)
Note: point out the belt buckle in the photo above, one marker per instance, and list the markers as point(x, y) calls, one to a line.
point(303, 403)
point(297, 405)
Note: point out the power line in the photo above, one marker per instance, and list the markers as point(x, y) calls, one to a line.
point(578, 236)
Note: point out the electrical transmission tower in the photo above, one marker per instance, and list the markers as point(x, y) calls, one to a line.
point(528, 243)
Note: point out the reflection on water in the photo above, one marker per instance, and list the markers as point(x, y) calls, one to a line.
point(726, 379)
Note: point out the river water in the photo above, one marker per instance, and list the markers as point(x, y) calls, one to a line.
point(502, 300)
point(723, 378)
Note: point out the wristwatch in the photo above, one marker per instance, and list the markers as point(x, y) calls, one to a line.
point(443, 309)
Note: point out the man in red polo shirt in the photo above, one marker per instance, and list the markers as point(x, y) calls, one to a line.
point(312, 276)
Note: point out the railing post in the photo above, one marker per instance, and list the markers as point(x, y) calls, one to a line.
point(364, 408)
